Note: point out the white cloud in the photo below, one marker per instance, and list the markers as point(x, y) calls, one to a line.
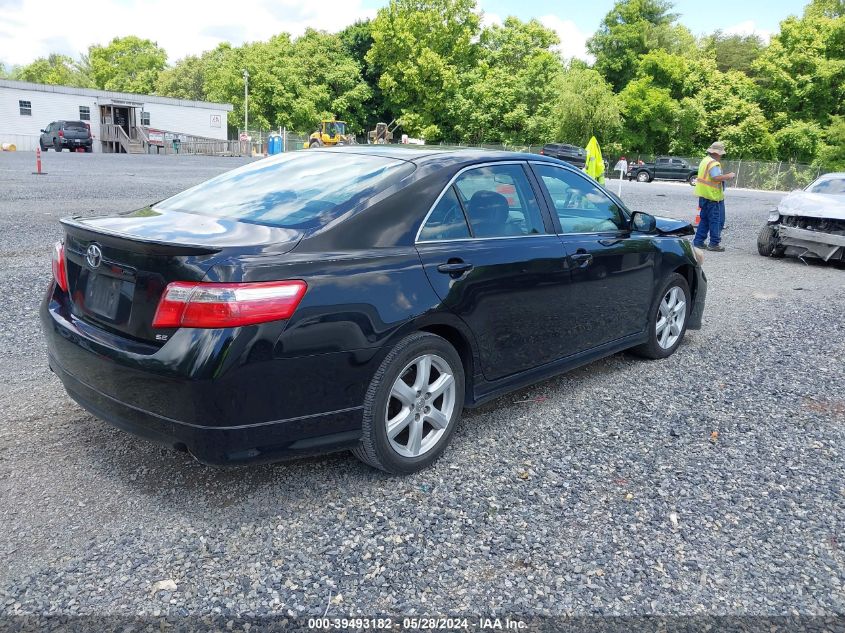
point(35, 28)
point(748, 27)
point(573, 41)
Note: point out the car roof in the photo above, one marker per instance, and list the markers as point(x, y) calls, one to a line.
point(423, 154)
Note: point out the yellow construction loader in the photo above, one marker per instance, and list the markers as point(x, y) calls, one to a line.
point(329, 133)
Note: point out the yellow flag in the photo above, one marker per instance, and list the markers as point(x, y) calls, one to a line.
point(594, 166)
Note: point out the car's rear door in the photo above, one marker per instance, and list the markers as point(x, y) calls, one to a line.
point(612, 268)
point(491, 255)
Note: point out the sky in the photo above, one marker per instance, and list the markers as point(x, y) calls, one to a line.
point(35, 28)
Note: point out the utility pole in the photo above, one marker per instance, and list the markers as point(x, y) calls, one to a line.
point(246, 101)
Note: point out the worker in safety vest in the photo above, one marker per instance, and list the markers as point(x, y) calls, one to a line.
point(710, 189)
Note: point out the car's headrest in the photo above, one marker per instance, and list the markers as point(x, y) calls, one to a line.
point(488, 212)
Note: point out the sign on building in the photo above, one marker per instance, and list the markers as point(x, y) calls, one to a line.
point(216, 120)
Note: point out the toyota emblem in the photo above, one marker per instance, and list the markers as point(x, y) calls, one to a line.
point(94, 256)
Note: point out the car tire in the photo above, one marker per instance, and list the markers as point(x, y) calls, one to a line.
point(643, 176)
point(692, 180)
point(418, 442)
point(88, 150)
point(41, 145)
point(767, 242)
point(663, 307)
point(315, 144)
point(57, 146)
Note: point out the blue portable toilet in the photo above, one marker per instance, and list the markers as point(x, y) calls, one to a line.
point(274, 144)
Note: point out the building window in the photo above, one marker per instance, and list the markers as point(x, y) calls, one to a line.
point(84, 113)
point(26, 108)
point(145, 118)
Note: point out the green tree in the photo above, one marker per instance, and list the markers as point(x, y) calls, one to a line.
point(825, 9)
point(292, 83)
point(651, 116)
point(357, 39)
point(734, 52)
point(508, 96)
point(831, 154)
point(184, 80)
point(59, 70)
point(585, 106)
point(802, 72)
point(128, 64)
point(799, 141)
point(631, 29)
point(422, 47)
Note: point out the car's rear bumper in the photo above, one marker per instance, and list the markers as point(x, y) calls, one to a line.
point(254, 411)
point(222, 445)
point(696, 316)
point(72, 142)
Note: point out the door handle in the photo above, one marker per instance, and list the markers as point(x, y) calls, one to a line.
point(454, 268)
point(582, 259)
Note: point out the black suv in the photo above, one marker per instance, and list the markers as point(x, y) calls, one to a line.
point(66, 134)
point(572, 154)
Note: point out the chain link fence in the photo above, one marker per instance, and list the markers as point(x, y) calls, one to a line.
point(750, 174)
point(765, 175)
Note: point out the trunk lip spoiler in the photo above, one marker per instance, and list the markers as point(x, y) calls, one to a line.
point(75, 223)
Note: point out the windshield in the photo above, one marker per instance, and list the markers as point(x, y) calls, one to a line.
point(297, 190)
point(335, 127)
point(832, 186)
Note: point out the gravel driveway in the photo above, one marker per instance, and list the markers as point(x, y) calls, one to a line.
point(708, 483)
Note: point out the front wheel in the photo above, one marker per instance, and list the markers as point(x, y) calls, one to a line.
point(412, 405)
point(643, 177)
point(692, 180)
point(767, 242)
point(668, 321)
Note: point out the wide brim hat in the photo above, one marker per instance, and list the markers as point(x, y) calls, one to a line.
point(717, 148)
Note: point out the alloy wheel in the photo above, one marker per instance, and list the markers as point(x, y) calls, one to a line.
point(671, 316)
point(420, 405)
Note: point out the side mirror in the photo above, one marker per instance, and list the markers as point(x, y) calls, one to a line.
point(43, 131)
point(643, 222)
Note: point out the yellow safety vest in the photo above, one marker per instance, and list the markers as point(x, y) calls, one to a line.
point(705, 187)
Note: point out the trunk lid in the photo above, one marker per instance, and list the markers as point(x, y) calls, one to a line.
point(119, 266)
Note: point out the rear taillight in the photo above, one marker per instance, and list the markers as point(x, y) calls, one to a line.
point(542, 152)
point(219, 305)
point(61, 133)
point(59, 265)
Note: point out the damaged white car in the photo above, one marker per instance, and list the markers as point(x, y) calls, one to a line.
point(808, 223)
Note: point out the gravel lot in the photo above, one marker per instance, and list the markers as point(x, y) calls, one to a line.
point(708, 483)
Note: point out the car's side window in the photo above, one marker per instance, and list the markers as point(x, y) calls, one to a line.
point(581, 207)
point(446, 221)
point(499, 201)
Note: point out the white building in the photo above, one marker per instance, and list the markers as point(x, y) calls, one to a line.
point(120, 122)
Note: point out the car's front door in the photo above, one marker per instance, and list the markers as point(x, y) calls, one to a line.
point(612, 267)
point(663, 168)
point(492, 257)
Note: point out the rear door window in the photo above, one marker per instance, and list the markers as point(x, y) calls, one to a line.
point(446, 221)
point(499, 201)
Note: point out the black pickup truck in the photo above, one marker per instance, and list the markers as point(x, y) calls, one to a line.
point(664, 168)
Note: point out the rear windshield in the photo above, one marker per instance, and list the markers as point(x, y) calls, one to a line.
point(75, 125)
point(299, 190)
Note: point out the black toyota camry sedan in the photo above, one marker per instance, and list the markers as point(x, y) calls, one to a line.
point(356, 298)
